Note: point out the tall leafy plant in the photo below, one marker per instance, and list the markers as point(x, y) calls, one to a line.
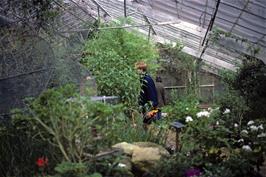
point(69, 122)
point(111, 55)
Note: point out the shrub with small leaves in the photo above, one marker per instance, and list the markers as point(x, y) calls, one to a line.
point(111, 56)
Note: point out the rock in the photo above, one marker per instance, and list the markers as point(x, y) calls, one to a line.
point(145, 158)
point(144, 155)
point(162, 150)
point(126, 147)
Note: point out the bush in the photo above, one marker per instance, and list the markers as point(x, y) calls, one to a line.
point(111, 56)
point(20, 148)
point(179, 109)
point(250, 82)
point(66, 123)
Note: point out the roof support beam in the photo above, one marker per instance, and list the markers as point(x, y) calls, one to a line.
point(261, 39)
point(244, 10)
point(236, 22)
point(125, 8)
point(217, 17)
point(211, 22)
point(68, 11)
point(98, 5)
point(148, 21)
point(121, 27)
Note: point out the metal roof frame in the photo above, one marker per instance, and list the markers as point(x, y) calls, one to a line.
point(234, 22)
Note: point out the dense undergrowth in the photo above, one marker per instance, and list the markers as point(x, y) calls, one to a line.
point(61, 133)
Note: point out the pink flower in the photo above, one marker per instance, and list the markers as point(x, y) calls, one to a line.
point(193, 172)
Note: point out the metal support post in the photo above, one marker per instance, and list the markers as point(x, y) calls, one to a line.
point(125, 8)
point(98, 12)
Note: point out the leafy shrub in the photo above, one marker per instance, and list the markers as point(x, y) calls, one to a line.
point(111, 56)
point(20, 148)
point(250, 82)
point(173, 166)
point(179, 109)
point(130, 134)
point(247, 84)
point(232, 100)
point(68, 123)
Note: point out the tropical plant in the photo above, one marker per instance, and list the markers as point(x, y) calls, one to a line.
point(20, 149)
point(181, 108)
point(111, 56)
point(71, 120)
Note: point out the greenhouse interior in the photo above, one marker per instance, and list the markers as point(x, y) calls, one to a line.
point(133, 88)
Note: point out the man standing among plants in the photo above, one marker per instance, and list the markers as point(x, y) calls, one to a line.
point(160, 91)
point(148, 95)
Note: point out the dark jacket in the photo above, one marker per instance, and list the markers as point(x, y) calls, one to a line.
point(160, 94)
point(148, 91)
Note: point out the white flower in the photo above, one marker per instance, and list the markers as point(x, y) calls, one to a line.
point(217, 123)
point(261, 135)
point(226, 111)
point(260, 126)
point(203, 114)
point(250, 122)
point(246, 148)
point(253, 128)
point(187, 109)
point(235, 125)
point(244, 132)
point(210, 109)
point(164, 114)
point(121, 165)
point(77, 141)
point(240, 140)
point(189, 119)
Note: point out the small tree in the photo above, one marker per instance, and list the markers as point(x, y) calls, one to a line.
point(111, 56)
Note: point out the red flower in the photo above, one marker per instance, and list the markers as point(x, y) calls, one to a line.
point(42, 162)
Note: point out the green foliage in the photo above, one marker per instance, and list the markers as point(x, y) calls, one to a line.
point(250, 82)
point(235, 166)
point(211, 144)
point(233, 101)
point(95, 175)
point(173, 166)
point(245, 93)
point(218, 141)
point(20, 149)
point(205, 133)
point(136, 133)
point(244, 96)
point(71, 169)
point(32, 13)
point(179, 109)
point(69, 122)
point(111, 56)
